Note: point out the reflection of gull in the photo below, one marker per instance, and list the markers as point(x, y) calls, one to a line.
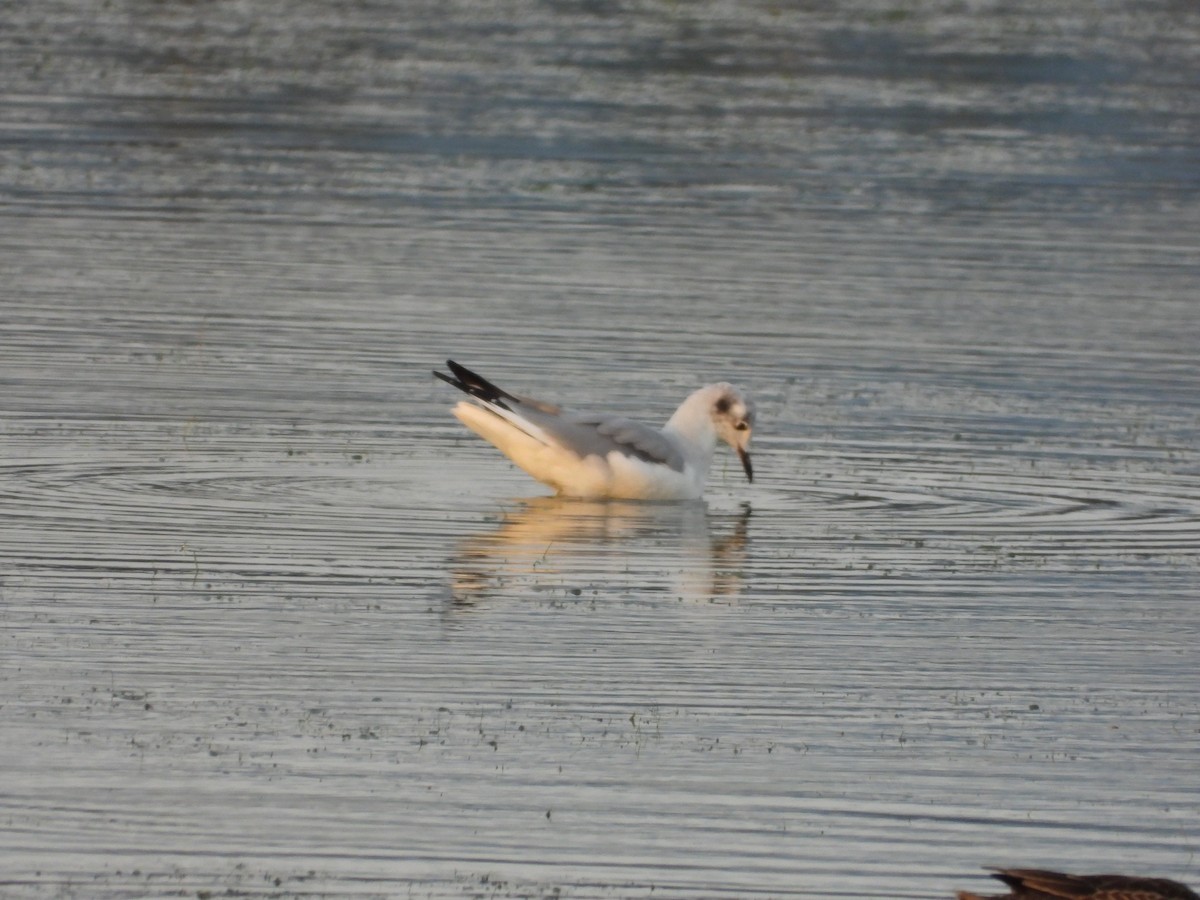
point(600, 455)
point(1035, 884)
point(576, 548)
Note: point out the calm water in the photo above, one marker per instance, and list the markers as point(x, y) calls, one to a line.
point(272, 623)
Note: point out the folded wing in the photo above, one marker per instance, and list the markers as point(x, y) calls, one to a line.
point(582, 434)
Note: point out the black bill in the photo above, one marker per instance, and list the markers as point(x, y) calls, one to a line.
point(745, 458)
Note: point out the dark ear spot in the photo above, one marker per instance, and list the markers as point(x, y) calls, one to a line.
point(722, 405)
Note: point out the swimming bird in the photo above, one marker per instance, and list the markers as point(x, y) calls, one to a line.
point(1038, 884)
point(602, 456)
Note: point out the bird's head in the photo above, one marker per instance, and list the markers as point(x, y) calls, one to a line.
point(733, 419)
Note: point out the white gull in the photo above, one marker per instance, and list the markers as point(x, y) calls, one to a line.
point(601, 456)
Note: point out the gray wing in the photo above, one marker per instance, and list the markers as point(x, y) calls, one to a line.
point(599, 435)
point(638, 440)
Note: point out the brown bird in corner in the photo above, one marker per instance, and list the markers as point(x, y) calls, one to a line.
point(1037, 884)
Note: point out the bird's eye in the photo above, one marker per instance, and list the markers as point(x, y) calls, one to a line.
point(741, 426)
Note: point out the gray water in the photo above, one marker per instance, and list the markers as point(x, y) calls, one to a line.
point(272, 624)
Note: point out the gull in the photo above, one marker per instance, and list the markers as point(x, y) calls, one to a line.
point(1038, 884)
point(602, 456)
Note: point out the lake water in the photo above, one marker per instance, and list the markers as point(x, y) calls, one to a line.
point(273, 624)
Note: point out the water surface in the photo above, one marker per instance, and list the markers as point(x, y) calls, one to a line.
point(273, 624)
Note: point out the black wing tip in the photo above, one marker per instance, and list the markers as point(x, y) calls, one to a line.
point(458, 377)
point(473, 384)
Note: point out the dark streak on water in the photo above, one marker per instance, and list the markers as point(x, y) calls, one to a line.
point(272, 624)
